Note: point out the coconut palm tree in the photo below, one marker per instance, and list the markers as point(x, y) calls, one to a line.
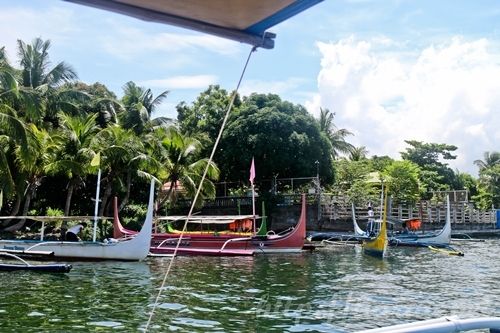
point(35, 63)
point(41, 93)
point(181, 166)
point(337, 136)
point(74, 153)
point(120, 151)
point(30, 168)
point(490, 159)
point(358, 153)
point(139, 106)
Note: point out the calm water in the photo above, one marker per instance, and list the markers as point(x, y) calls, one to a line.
point(326, 291)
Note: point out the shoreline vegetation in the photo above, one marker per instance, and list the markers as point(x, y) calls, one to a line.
point(56, 133)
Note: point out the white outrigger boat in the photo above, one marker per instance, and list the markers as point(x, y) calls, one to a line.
point(440, 238)
point(131, 248)
point(442, 325)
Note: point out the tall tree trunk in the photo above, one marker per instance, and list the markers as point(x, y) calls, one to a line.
point(105, 197)
point(127, 195)
point(69, 195)
point(14, 211)
point(27, 202)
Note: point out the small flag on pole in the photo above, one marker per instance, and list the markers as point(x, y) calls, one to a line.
point(96, 161)
point(252, 172)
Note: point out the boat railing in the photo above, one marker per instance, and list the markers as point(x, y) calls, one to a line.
point(444, 324)
point(233, 240)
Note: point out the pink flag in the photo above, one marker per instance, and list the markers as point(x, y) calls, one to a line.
point(252, 172)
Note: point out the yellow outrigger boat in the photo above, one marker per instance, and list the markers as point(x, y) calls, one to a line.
point(377, 245)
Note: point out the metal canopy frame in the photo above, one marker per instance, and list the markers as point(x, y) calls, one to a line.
point(254, 34)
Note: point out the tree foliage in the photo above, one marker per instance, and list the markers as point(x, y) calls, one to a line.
point(283, 138)
point(435, 175)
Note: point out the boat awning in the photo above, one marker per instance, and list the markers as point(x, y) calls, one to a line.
point(208, 219)
point(245, 21)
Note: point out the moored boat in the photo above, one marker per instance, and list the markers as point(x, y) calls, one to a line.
point(226, 244)
point(133, 248)
point(440, 238)
point(377, 245)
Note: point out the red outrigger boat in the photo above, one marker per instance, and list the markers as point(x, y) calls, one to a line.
point(223, 244)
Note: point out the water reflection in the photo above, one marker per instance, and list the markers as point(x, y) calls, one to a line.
point(326, 291)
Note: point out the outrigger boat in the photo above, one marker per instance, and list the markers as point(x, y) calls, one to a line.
point(376, 246)
point(132, 248)
point(223, 244)
point(23, 265)
point(441, 238)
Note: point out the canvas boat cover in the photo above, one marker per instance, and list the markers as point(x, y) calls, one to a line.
point(245, 21)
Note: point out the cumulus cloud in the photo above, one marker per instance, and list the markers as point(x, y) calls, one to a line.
point(445, 93)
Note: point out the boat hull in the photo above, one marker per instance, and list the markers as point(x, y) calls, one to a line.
point(222, 244)
point(134, 248)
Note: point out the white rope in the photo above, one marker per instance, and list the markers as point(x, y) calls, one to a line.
point(228, 112)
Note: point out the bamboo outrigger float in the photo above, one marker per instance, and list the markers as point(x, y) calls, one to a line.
point(23, 265)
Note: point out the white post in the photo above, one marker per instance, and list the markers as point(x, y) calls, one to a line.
point(96, 205)
point(42, 231)
point(253, 208)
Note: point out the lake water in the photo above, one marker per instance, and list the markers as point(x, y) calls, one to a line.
point(330, 290)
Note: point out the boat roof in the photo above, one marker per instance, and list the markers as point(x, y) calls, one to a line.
point(245, 21)
point(54, 218)
point(207, 219)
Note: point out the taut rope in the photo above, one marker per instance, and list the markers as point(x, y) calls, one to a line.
point(199, 187)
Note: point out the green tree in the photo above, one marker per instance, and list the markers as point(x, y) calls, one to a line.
point(139, 106)
point(73, 152)
point(121, 150)
point(203, 118)
point(179, 166)
point(352, 180)
point(283, 138)
point(435, 175)
point(336, 136)
point(402, 177)
point(489, 181)
point(490, 159)
point(358, 153)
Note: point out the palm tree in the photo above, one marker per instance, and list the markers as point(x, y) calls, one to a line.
point(13, 133)
point(40, 90)
point(121, 150)
point(335, 135)
point(35, 66)
point(490, 159)
point(139, 106)
point(74, 154)
point(181, 166)
point(31, 167)
point(358, 153)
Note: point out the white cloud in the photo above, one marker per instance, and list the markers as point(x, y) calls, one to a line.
point(446, 93)
point(270, 87)
point(129, 43)
point(26, 24)
point(182, 82)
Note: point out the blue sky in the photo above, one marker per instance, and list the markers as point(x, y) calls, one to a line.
point(390, 70)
